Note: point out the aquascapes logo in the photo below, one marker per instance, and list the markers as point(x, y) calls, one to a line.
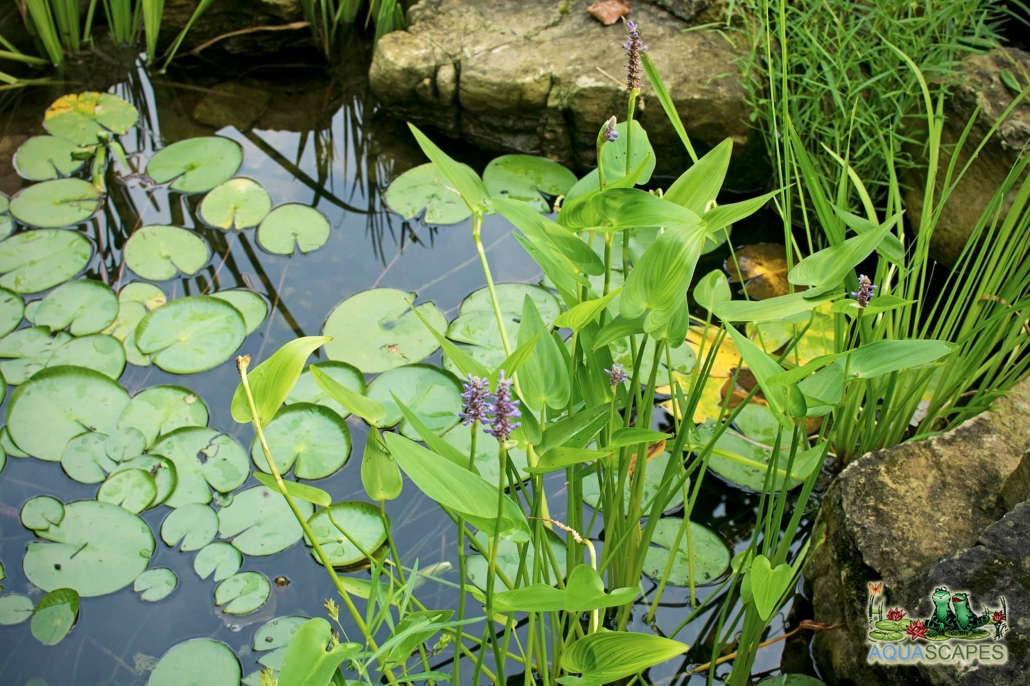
point(953, 633)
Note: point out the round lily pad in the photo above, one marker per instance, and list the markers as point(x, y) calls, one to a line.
point(6, 223)
point(199, 662)
point(84, 118)
point(710, 553)
point(236, 204)
point(147, 294)
point(83, 307)
point(98, 548)
point(99, 352)
point(125, 444)
point(55, 615)
point(220, 559)
point(311, 439)
point(132, 489)
point(525, 177)
point(160, 252)
point(57, 403)
point(52, 204)
point(242, 593)
point(85, 459)
point(130, 314)
point(375, 330)
point(15, 609)
point(272, 639)
point(161, 468)
point(162, 409)
point(155, 584)
point(260, 522)
point(424, 187)
point(9, 446)
point(202, 457)
point(191, 334)
point(12, 308)
point(252, 306)
point(35, 261)
point(487, 459)
point(430, 392)
point(191, 527)
point(362, 521)
point(306, 390)
point(25, 351)
point(196, 165)
point(41, 512)
point(476, 323)
point(293, 226)
point(42, 158)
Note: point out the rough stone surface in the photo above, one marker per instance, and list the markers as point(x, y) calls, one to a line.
point(892, 515)
point(979, 84)
point(1016, 488)
point(232, 104)
point(225, 16)
point(519, 75)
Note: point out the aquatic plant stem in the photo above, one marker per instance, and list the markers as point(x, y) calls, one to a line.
point(477, 226)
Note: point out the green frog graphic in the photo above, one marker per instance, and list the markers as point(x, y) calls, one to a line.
point(943, 618)
point(965, 619)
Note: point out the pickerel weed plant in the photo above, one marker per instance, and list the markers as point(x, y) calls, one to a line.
point(621, 260)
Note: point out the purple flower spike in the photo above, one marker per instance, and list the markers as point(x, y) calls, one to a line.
point(611, 133)
point(473, 406)
point(616, 373)
point(634, 47)
point(864, 292)
point(503, 411)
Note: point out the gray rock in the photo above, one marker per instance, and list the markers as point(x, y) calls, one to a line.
point(519, 75)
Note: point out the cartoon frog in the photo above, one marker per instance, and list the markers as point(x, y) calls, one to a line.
point(965, 619)
point(942, 619)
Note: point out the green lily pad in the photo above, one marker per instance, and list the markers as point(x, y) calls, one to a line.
point(236, 204)
point(202, 457)
point(147, 294)
point(252, 306)
point(311, 439)
point(56, 404)
point(6, 222)
point(160, 252)
point(191, 334)
point(430, 392)
point(487, 458)
point(375, 330)
point(125, 444)
point(306, 390)
point(362, 521)
point(196, 165)
point(652, 483)
point(85, 458)
point(53, 204)
point(35, 261)
point(199, 662)
point(160, 410)
point(525, 177)
point(12, 309)
point(14, 609)
point(155, 584)
point(41, 512)
point(711, 557)
point(220, 559)
point(191, 527)
point(272, 639)
point(98, 548)
point(242, 593)
point(293, 226)
point(508, 558)
point(130, 314)
point(132, 489)
point(260, 522)
point(99, 352)
point(42, 158)
point(424, 187)
point(476, 323)
point(166, 477)
point(26, 351)
point(743, 459)
point(83, 307)
point(83, 118)
point(7, 443)
point(55, 615)
point(3, 463)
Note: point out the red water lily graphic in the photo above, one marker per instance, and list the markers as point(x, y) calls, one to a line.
point(998, 616)
point(916, 630)
point(894, 614)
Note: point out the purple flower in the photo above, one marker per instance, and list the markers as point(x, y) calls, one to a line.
point(634, 47)
point(502, 412)
point(610, 132)
point(616, 373)
point(865, 291)
point(473, 406)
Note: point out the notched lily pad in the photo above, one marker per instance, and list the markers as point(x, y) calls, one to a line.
point(199, 662)
point(260, 521)
point(191, 334)
point(525, 177)
point(84, 118)
point(236, 204)
point(155, 584)
point(99, 352)
point(312, 440)
point(424, 187)
point(83, 307)
point(252, 306)
point(762, 268)
point(293, 226)
point(219, 559)
point(196, 165)
point(14, 609)
point(242, 593)
point(362, 521)
point(159, 410)
point(132, 489)
point(711, 557)
point(25, 351)
point(160, 253)
point(42, 158)
point(306, 390)
point(57, 203)
point(34, 261)
point(191, 527)
point(42, 512)
point(430, 392)
point(204, 459)
point(12, 309)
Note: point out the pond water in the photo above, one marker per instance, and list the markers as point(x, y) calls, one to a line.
point(319, 142)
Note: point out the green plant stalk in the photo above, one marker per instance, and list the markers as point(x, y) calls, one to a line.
point(495, 542)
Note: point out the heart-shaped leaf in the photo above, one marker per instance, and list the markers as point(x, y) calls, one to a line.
point(768, 585)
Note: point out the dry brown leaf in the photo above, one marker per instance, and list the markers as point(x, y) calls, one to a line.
point(653, 451)
point(609, 11)
point(762, 268)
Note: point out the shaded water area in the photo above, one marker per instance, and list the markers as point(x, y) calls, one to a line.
point(319, 141)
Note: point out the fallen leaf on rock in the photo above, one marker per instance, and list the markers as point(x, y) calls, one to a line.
point(609, 11)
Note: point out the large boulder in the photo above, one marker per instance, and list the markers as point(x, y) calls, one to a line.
point(919, 516)
point(522, 75)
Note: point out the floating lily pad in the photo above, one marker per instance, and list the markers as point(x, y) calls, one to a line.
point(199, 662)
point(525, 177)
point(160, 410)
point(242, 593)
point(125, 444)
point(311, 439)
point(236, 204)
point(375, 330)
point(132, 489)
point(83, 307)
point(424, 187)
point(163, 470)
point(260, 521)
point(42, 158)
point(3, 463)
point(9, 446)
point(711, 557)
point(41, 512)
point(362, 521)
point(35, 261)
point(430, 392)
point(98, 548)
point(744, 460)
point(6, 222)
point(160, 253)
point(652, 483)
point(487, 458)
point(56, 404)
point(220, 559)
point(26, 351)
point(99, 352)
point(130, 314)
point(85, 459)
point(52, 204)
point(293, 226)
point(15, 609)
point(155, 584)
point(147, 294)
point(84, 118)
point(196, 165)
point(307, 390)
point(12, 308)
point(191, 527)
point(202, 457)
point(55, 615)
point(191, 334)
point(252, 306)
point(272, 638)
